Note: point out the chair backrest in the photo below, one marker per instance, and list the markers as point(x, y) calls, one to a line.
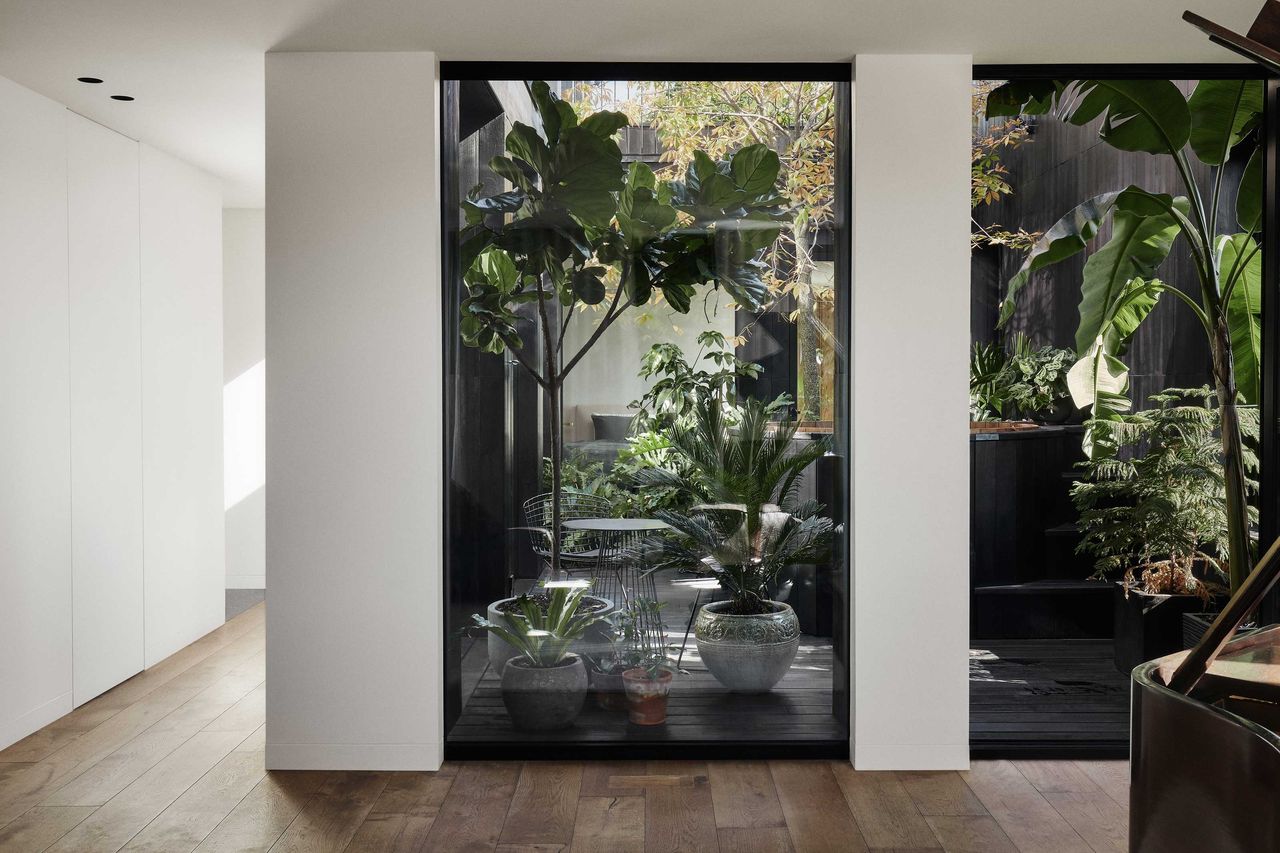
point(537, 513)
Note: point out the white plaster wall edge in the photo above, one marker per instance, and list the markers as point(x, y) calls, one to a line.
point(943, 756)
point(246, 581)
point(35, 719)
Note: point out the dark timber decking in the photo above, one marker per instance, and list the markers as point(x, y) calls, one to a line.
point(699, 708)
point(1047, 695)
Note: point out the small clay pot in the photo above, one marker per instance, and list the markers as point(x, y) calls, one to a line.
point(609, 692)
point(646, 697)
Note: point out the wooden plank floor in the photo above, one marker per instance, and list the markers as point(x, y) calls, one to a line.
point(1062, 693)
point(172, 760)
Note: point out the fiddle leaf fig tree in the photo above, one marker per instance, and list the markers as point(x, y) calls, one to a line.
point(580, 228)
point(1119, 288)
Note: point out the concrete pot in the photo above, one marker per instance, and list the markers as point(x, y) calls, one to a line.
point(747, 654)
point(543, 698)
point(595, 641)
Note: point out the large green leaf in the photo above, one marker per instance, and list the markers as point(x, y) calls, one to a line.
point(1222, 113)
point(1099, 381)
point(1138, 245)
point(524, 142)
point(586, 170)
point(1249, 197)
point(1244, 309)
point(1137, 115)
point(1022, 97)
point(755, 169)
point(1066, 238)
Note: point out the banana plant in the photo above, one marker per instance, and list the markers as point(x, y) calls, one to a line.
point(577, 224)
point(1119, 287)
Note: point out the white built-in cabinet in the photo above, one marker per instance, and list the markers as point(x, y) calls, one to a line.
point(106, 406)
point(111, 516)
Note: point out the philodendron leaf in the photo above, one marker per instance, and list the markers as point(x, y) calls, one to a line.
point(1138, 245)
point(1066, 238)
point(1249, 197)
point(1239, 255)
point(1137, 115)
point(1222, 114)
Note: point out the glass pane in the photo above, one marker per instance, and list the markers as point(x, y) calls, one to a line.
point(647, 319)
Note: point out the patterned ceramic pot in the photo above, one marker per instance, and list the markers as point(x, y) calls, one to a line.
point(747, 654)
point(543, 698)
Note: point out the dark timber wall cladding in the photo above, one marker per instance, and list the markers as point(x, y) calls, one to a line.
point(1060, 167)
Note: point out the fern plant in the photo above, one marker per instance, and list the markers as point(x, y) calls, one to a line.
point(1153, 510)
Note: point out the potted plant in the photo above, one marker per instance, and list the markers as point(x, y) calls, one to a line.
point(544, 685)
point(1037, 385)
point(500, 651)
point(1153, 513)
point(624, 651)
point(578, 227)
point(648, 685)
point(745, 530)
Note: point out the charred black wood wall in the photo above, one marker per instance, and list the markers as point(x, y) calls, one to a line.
point(1060, 167)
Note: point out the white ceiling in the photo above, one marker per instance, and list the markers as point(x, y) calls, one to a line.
point(196, 66)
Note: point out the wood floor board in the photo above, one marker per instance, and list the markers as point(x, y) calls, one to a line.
point(613, 823)
point(264, 814)
point(1032, 824)
point(970, 834)
point(402, 817)
point(544, 805)
point(331, 818)
point(1057, 777)
point(743, 794)
point(1098, 819)
point(598, 778)
point(756, 839)
point(817, 814)
point(1111, 776)
point(41, 826)
point(475, 808)
point(940, 792)
point(884, 811)
point(680, 817)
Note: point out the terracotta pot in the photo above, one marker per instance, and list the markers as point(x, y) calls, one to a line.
point(609, 692)
point(646, 697)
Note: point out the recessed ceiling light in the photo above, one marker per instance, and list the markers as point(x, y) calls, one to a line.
point(89, 79)
point(122, 97)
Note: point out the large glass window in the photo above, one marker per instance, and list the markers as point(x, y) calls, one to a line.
point(646, 304)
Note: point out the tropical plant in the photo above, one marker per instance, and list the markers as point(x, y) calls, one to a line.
point(749, 524)
point(1038, 378)
point(1154, 512)
point(678, 386)
point(542, 632)
point(1118, 289)
point(629, 645)
point(988, 382)
point(578, 227)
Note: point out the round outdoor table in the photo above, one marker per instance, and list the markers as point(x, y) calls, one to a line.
point(620, 578)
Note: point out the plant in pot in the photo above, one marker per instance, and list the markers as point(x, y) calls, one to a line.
point(746, 528)
point(500, 651)
point(579, 229)
point(1154, 514)
point(628, 648)
point(544, 685)
point(648, 684)
point(1037, 385)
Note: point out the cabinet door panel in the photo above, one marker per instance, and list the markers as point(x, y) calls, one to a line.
point(106, 407)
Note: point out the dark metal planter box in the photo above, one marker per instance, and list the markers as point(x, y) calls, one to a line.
point(1149, 626)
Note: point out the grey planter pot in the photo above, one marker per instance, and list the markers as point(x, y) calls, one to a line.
point(500, 651)
point(747, 654)
point(543, 698)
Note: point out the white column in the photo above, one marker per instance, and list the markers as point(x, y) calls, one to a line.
point(354, 399)
point(910, 507)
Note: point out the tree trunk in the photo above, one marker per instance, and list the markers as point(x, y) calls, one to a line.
point(1240, 558)
point(554, 383)
point(810, 405)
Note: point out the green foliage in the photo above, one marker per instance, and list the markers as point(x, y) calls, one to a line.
point(543, 634)
point(1025, 380)
point(676, 386)
point(748, 524)
point(630, 646)
point(1153, 511)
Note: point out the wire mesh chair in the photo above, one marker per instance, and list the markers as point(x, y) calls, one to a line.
point(579, 549)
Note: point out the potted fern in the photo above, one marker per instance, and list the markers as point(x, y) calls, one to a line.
point(745, 530)
point(1153, 512)
point(544, 685)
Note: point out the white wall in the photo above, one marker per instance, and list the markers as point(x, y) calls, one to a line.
point(110, 358)
point(106, 406)
point(181, 241)
point(35, 421)
point(354, 514)
point(910, 510)
point(244, 395)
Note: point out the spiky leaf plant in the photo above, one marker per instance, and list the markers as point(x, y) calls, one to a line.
point(543, 635)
